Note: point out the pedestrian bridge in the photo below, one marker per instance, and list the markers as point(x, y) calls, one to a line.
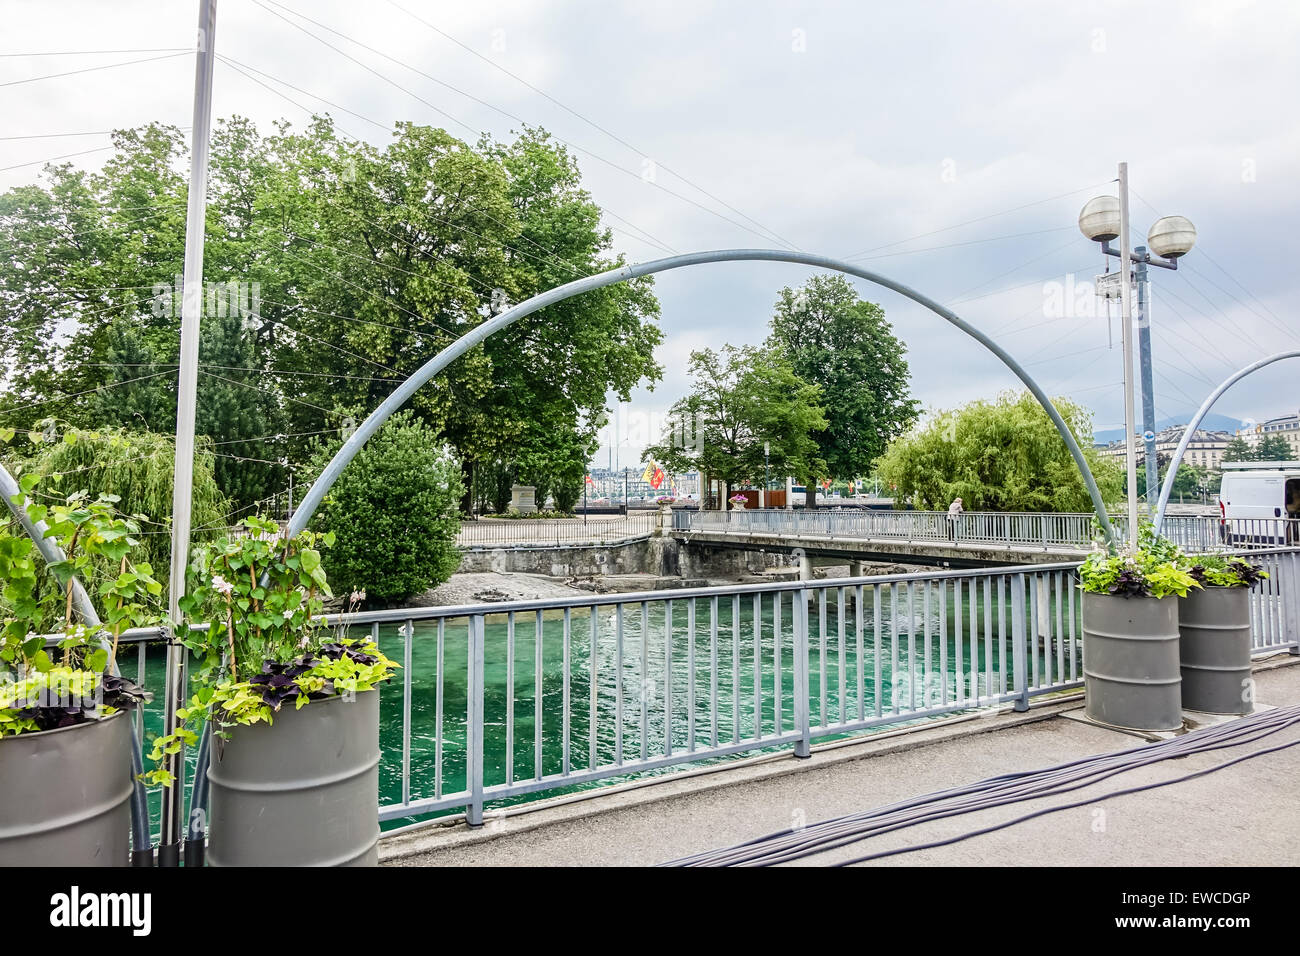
point(972, 539)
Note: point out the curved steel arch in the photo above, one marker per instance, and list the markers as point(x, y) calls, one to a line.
point(440, 361)
point(1195, 423)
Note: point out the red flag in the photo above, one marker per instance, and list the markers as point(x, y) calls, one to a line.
point(657, 479)
point(589, 481)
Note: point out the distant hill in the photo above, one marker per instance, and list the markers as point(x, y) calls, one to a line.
point(1213, 422)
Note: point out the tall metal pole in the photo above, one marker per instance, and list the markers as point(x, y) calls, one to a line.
point(1148, 394)
point(1126, 312)
point(183, 480)
point(767, 471)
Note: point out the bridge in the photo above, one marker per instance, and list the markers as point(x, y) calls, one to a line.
point(854, 536)
point(549, 697)
point(972, 540)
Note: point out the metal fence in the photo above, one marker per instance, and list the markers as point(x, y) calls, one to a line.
point(555, 532)
point(1065, 532)
point(495, 702)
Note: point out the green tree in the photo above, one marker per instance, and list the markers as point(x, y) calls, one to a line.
point(1238, 449)
point(843, 344)
point(1003, 455)
point(394, 513)
point(1274, 448)
point(367, 261)
point(742, 398)
point(137, 467)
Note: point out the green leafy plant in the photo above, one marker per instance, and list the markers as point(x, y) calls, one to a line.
point(254, 614)
point(56, 667)
point(1225, 571)
point(1154, 569)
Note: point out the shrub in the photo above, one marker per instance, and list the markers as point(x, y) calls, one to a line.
point(395, 514)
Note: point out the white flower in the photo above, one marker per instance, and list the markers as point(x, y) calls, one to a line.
point(288, 614)
point(222, 586)
point(358, 596)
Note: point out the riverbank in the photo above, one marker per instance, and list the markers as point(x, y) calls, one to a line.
point(483, 587)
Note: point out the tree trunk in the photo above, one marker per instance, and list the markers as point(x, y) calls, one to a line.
point(467, 498)
point(810, 494)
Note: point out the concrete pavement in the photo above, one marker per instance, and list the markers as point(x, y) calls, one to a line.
point(1248, 814)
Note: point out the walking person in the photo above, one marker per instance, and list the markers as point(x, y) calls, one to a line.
point(954, 515)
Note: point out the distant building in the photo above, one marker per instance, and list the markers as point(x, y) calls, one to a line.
point(1205, 450)
point(1287, 427)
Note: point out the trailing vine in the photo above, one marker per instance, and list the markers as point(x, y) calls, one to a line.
point(56, 667)
point(254, 615)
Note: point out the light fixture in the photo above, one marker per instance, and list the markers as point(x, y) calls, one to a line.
point(1099, 220)
point(1171, 237)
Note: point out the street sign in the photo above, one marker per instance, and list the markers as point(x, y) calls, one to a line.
point(1108, 286)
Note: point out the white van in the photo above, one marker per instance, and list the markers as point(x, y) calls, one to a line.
point(1259, 502)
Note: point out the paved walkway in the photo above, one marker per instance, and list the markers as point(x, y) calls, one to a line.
point(1248, 814)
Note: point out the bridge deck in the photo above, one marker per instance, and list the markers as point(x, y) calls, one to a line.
point(960, 554)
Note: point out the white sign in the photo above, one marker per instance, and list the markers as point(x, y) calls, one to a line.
point(1108, 285)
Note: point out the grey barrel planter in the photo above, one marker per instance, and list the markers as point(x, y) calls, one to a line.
point(1130, 661)
point(65, 795)
point(1215, 627)
point(301, 791)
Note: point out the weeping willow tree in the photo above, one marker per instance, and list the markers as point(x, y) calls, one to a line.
point(137, 467)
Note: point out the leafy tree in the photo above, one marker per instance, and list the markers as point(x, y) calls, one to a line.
point(843, 344)
point(1003, 455)
point(1238, 449)
point(394, 514)
point(741, 398)
point(1274, 448)
point(135, 466)
point(368, 260)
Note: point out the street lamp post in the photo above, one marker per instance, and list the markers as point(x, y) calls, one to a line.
point(1106, 218)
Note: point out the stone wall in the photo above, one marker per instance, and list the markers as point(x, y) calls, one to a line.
point(647, 556)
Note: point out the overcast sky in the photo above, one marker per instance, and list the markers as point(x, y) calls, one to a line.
point(840, 128)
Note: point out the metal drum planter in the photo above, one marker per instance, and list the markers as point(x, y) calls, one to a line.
point(1130, 662)
point(65, 795)
point(301, 791)
point(1215, 627)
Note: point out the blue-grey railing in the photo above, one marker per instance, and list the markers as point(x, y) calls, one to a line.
point(1008, 530)
point(525, 697)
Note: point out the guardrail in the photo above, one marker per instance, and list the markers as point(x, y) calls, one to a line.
point(496, 702)
point(555, 532)
point(1010, 530)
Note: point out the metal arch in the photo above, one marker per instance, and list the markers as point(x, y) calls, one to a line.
point(407, 389)
point(1195, 423)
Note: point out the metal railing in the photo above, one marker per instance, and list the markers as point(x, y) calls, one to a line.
point(555, 532)
point(1010, 530)
point(498, 701)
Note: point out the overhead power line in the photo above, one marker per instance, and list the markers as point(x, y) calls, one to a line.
point(590, 122)
point(91, 69)
point(470, 96)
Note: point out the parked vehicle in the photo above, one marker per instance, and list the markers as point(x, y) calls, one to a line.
point(1259, 502)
